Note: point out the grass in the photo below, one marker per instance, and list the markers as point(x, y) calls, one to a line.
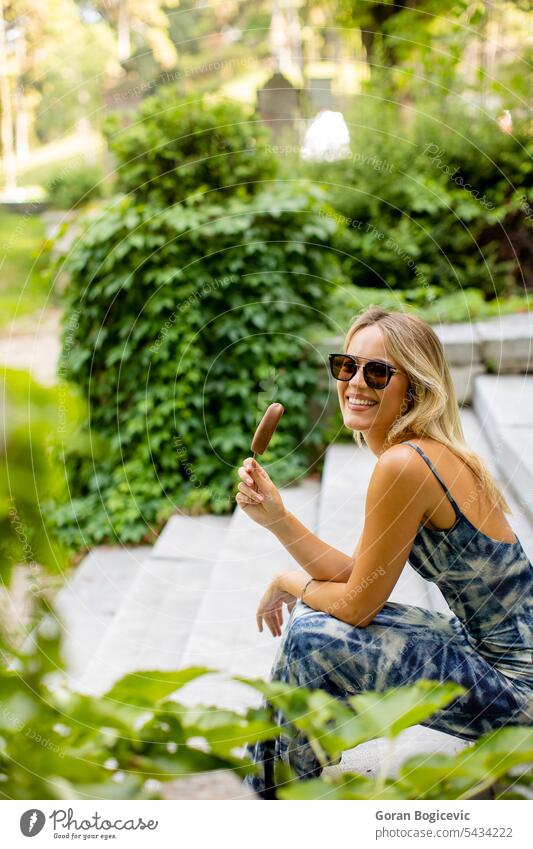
point(60, 157)
point(23, 281)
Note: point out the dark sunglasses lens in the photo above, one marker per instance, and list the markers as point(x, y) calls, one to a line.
point(342, 368)
point(376, 375)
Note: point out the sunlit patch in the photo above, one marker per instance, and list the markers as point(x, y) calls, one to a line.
point(505, 122)
point(327, 138)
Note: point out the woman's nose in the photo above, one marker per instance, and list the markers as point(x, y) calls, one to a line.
point(358, 379)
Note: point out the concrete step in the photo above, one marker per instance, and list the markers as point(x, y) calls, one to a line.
point(506, 342)
point(88, 603)
point(154, 621)
point(368, 759)
point(179, 599)
point(504, 408)
point(478, 434)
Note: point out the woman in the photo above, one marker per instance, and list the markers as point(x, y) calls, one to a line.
point(343, 636)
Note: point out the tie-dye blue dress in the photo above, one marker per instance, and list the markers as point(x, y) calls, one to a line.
point(486, 645)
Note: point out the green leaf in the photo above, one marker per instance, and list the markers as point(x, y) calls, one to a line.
point(225, 730)
point(348, 786)
point(385, 714)
point(333, 726)
point(489, 758)
point(149, 687)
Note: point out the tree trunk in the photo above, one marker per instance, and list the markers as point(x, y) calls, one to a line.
point(8, 152)
point(123, 31)
point(22, 128)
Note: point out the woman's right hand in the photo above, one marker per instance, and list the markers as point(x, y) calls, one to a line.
point(255, 482)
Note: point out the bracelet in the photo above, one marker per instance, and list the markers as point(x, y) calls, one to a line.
point(304, 589)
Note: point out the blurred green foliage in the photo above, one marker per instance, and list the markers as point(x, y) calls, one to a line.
point(36, 425)
point(438, 207)
point(67, 188)
point(24, 283)
point(184, 149)
point(56, 743)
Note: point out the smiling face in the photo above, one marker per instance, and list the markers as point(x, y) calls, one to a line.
point(374, 419)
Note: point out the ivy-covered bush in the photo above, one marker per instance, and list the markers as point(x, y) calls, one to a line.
point(189, 319)
point(177, 149)
point(437, 208)
point(70, 188)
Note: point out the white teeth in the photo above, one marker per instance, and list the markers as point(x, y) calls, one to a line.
point(360, 401)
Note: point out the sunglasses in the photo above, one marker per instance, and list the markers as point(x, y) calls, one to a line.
point(377, 373)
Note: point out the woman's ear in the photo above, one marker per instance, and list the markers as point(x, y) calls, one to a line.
point(409, 399)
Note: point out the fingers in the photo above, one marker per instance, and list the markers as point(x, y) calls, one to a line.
point(252, 468)
point(246, 477)
point(276, 619)
point(254, 496)
point(273, 619)
point(244, 502)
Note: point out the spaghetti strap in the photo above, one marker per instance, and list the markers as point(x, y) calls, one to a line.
point(435, 472)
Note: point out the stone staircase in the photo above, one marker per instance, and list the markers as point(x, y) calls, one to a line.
point(191, 599)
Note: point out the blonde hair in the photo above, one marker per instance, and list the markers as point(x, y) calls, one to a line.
point(433, 410)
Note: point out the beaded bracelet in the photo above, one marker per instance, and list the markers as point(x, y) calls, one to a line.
point(304, 589)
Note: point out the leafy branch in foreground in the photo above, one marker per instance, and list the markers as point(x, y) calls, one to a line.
point(60, 744)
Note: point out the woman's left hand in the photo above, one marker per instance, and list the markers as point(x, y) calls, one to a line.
point(271, 608)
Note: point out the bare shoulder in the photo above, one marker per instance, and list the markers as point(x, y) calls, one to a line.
point(403, 461)
point(401, 469)
point(399, 474)
point(398, 491)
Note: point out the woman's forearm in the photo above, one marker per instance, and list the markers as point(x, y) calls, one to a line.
point(329, 596)
point(320, 560)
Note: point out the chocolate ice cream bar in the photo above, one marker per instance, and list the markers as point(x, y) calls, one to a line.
point(266, 428)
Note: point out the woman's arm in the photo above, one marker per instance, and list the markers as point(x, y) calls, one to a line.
point(328, 596)
point(395, 506)
point(320, 560)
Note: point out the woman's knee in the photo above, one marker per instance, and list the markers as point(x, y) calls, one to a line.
point(315, 634)
point(304, 633)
